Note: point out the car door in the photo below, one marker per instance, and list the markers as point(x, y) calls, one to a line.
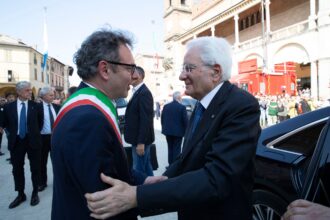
point(317, 183)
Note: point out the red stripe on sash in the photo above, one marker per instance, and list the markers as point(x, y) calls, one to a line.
point(86, 102)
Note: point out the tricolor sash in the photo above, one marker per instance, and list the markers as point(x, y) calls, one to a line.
point(93, 97)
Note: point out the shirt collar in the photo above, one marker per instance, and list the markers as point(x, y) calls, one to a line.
point(45, 103)
point(19, 101)
point(89, 85)
point(206, 100)
point(135, 88)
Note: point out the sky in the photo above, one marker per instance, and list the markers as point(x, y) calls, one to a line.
point(69, 22)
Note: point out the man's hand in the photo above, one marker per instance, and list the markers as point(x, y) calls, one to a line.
point(1, 130)
point(305, 210)
point(110, 202)
point(140, 149)
point(154, 179)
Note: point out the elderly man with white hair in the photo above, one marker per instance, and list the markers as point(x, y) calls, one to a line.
point(174, 121)
point(48, 111)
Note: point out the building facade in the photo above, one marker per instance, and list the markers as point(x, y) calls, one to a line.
point(154, 78)
point(270, 31)
point(20, 62)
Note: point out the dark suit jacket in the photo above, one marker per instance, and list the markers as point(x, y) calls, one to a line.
point(84, 145)
point(213, 177)
point(139, 124)
point(174, 119)
point(41, 106)
point(34, 121)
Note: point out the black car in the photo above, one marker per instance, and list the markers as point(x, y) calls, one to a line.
point(121, 105)
point(292, 161)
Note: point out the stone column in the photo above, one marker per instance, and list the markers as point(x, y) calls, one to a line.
point(236, 31)
point(314, 78)
point(312, 15)
point(213, 31)
point(324, 78)
point(267, 3)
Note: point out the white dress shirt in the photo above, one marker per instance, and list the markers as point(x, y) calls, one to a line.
point(46, 129)
point(206, 100)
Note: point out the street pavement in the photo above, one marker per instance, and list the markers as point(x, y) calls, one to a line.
point(43, 209)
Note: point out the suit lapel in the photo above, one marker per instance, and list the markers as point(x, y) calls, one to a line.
point(135, 94)
point(207, 119)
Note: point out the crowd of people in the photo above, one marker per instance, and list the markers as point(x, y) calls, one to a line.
point(210, 177)
point(275, 109)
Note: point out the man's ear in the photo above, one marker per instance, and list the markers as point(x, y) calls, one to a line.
point(217, 72)
point(103, 70)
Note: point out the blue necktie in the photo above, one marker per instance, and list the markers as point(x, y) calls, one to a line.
point(51, 117)
point(22, 122)
point(197, 117)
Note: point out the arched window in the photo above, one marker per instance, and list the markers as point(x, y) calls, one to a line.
point(183, 2)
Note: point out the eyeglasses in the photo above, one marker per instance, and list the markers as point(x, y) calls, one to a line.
point(129, 67)
point(188, 68)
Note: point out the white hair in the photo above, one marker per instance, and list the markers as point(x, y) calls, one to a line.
point(214, 50)
point(44, 91)
point(176, 95)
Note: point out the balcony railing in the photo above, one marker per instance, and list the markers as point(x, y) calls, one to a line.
point(283, 33)
point(289, 31)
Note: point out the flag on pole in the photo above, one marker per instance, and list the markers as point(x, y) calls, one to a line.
point(45, 39)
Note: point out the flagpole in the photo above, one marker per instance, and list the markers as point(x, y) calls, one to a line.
point(45, 41)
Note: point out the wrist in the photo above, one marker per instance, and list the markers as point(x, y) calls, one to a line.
point(133, 198)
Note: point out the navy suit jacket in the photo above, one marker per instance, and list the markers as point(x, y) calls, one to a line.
point(139, 124)
point(174, 119)
point(213, 177)
point(34, 120)
point(84, 145)
point(41, 106)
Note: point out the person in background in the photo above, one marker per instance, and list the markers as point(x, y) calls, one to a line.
point(2, 105)
point(71, 90)
point(272, 111)
point(139, 123)
point(23, 121)
point(214, 175)
point(157, 111)
point(174, 121)
point(11, 97)
point(48, 110)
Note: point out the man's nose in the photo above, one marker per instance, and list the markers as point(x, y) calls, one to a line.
point(182, 76)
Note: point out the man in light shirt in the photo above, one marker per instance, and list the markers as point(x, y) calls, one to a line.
point(48, 111)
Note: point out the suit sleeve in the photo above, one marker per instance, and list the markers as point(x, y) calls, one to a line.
point(4, 117)
point(88, 153)
point(230, 152)
point(145, 115)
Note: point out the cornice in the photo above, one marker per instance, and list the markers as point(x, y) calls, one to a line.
point(223, 16)
point(172, 9)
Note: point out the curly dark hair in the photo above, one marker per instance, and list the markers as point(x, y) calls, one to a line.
point(102, 44)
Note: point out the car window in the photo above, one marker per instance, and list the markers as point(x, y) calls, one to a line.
point(303, 142)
